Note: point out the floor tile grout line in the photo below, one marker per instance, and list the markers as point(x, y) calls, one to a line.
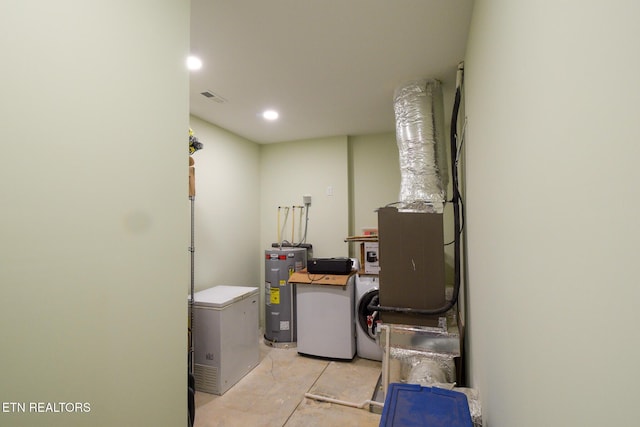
point(303, 398)
point(321, 373)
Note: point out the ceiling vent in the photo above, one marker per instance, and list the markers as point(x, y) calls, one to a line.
point(213, 96)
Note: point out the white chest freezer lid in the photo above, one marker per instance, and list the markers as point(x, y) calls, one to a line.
point(221, 296)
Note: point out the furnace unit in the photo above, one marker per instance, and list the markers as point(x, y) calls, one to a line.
point(411, 264)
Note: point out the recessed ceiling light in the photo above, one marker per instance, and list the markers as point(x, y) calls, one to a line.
point(270, 115)
point(194, 63)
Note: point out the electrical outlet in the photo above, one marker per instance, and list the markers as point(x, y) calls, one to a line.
point(306, 199)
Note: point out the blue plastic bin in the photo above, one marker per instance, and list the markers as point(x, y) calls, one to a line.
point(411, 405)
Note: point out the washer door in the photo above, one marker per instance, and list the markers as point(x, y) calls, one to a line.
point(363, 313)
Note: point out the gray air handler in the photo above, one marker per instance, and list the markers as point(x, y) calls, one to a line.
point(280, 296)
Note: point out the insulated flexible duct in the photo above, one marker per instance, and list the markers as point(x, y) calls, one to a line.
point(419, 110)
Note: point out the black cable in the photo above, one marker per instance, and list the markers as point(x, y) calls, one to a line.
point(312, 280)
point(461, 200)
point(462, 221)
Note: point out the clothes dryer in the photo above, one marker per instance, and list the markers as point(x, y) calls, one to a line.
point(367, 288)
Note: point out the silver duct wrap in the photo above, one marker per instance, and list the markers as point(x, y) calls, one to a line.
point(425, 355)
point(419, 110)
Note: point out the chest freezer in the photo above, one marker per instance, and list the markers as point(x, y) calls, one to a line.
point(225, 336)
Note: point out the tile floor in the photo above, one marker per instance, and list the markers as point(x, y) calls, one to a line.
point(272, 394)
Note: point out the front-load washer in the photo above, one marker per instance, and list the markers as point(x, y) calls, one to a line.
point(367, 287)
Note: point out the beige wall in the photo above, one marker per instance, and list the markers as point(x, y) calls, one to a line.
point(290, 170)
point(227, 208)
point(94, 220)
point(552, 101)
point(374, 177)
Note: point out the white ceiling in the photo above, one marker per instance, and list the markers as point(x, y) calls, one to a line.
point(328, 66)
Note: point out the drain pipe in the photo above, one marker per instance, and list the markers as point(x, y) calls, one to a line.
point(385, 358)
point(343, 402)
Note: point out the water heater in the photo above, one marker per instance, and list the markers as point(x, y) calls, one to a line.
point(280, 295)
